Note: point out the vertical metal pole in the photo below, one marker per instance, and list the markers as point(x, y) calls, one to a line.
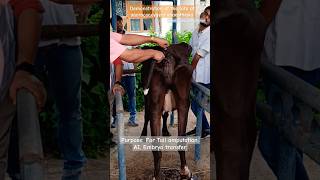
point(120, 129)
point(172, 119)
point(174, 23)
point(30, 145)
point(197, 152)
point(114, 16)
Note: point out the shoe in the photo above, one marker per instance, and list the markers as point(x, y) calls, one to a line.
point(204, 134)
point(113, 125)
point(191, 132)
point(133, 124)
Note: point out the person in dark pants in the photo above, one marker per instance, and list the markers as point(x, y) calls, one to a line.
point(291, 43)
point(238, 41)
point(61, 61)
point(17, 54)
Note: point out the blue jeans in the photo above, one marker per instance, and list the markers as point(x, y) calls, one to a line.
point(195, 107)
point(282, 157)
point(129, 83)
point(63, 65)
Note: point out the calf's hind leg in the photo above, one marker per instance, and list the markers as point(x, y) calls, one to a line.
point(157, 92)
point(182, 81)
point(165, 131)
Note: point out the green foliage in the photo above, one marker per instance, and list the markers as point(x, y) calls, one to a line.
point(184, 36)
point(258, 3)
point(93, 102)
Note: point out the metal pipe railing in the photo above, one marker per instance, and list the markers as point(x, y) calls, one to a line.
point(201, 95)
point(30, 145)
point(308, 142)
point(290, 83)
point(306, 135)
point(120, 129)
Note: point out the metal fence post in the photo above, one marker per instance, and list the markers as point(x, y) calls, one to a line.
point(197, 148)
point(201, 95)
point(30, 145)
point(120, 129)
point(172, 119)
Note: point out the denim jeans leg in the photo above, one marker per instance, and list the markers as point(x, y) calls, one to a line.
point(130, 85)
point(64, 73)
point(195, 107)
point(280, 155)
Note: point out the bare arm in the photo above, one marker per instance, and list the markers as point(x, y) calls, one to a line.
point(118, 71)
point(134, 40)
point(28, 35)
point(139, 55)
point(195, 60)
point(78, 2)
point(28, 32)
point(269, 9)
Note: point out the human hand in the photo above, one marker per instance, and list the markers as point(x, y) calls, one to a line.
point(161, 42)
point(158, 56)
point(118, 87)
point(23, 79)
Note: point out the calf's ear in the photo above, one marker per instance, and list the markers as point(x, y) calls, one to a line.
point(180, 51)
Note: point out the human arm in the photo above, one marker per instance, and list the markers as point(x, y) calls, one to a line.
point(28, 18)
point(134, 40)
point(118, 69)
point(140, 55)
point(195, 61)
point(203, 49)
point(130, 55)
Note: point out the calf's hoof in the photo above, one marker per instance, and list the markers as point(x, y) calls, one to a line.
point(185, 173)
point(166, 133)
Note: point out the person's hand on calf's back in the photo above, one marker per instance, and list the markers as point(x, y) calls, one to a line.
point(162, 42)
point(158, 56)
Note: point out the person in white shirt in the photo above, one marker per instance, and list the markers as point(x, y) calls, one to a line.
point(292, 42)
point(200, 43)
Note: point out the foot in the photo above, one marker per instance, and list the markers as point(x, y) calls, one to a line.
point(133, 124)
point(204, 134)
point(165, 133)
point(185, 173)
point(191, 132)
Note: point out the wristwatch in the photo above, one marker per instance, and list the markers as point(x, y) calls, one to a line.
point(30, 68)
point(26, 67)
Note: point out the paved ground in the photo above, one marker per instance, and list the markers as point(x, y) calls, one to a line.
point(94, 170)
point(139, 165)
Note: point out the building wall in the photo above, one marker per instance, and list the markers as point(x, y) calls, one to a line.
point(164, 25)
